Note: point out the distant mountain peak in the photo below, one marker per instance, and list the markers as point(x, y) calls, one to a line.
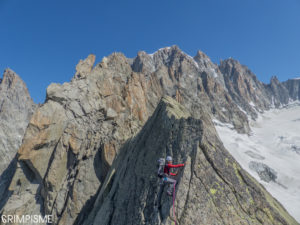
point(200, 54)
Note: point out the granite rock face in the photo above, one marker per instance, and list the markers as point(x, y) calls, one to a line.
point(280, 93)
point(293, 87)
point(73, 155)
point(253, 96)
point(247, 91)
point(194, 82)
point(73, 138)
point(16, 108)
point(212, 187)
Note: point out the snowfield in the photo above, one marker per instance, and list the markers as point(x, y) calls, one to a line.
point(271, 153)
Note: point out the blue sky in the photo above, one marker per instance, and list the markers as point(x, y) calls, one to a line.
point(43, 40)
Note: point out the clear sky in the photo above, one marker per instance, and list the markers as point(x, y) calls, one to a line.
point(43, 40)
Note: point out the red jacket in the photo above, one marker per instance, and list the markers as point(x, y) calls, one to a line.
point(169, 166)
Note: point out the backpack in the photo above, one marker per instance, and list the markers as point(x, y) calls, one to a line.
point(161, 165)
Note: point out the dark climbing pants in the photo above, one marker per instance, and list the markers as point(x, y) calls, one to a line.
point(171, 182)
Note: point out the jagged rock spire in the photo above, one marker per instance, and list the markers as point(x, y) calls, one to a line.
point(16, 109)
point(84, 67)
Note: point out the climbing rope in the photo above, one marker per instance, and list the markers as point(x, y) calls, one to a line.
point(173, 205)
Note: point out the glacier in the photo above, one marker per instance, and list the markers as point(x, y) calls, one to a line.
point(274, 143)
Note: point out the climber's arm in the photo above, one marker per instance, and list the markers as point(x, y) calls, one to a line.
point(175, 166)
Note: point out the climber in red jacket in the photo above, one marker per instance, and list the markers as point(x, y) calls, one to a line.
point(168, 173)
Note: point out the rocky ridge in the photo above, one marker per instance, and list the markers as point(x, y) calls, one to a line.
point(212, 189)
point(74, 137)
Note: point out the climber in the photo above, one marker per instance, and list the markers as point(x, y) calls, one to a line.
point(166, 178)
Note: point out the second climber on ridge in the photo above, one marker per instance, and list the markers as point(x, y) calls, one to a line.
point(168, 173)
